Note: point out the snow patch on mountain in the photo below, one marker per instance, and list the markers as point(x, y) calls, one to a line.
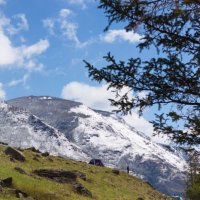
point(116, 143)
point(21, 129)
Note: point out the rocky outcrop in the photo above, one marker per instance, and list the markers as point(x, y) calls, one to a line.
point(79, 188)
point(33, 149)
point(115, 171)
point(61, 176)
point(66, 176)
point(45, 154)
point(20, 170)
point(6, 182)
point(15, 154)
point(79, 174)
point(20, 194)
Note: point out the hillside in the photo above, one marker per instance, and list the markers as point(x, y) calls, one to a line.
point(100, 181)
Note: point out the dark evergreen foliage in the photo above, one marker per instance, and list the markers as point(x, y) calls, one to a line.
point(193, 192)
point(170, 81)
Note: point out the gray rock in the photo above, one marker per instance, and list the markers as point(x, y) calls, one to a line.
point(20, 170)
point(79, 188)
point(33, 149)
point(15, 154)
point(116, 171)
point(6, 182)
point(45, 154)
point(3, 143)
point(80, 174)
point(62, 176)
point(20, 194)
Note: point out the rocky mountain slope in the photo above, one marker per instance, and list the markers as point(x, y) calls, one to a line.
point(22, 129)
point(103, 135)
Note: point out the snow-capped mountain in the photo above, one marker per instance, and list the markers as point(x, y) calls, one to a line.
point(103, 135)
point(19, 128)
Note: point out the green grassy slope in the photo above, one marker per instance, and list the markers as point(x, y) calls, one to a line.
point(103, 184)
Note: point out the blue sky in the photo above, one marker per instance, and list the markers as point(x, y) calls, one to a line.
point(43, 43)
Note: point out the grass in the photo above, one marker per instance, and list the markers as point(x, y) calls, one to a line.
point(103, 184)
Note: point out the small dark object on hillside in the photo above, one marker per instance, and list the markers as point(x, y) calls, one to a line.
point(45, 154)
point(15, 154)
point(127, 169)
point(20, 170)
point(33, 149)
point(20, 194)
point(79, 188)
point(3, 143)
point(115, 171)
point(140, 198)
point(96, 162)
point(6, 182)
point(80, 174)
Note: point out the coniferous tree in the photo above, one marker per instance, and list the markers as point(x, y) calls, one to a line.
point(170, 81)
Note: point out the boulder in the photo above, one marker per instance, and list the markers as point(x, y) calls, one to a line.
point(3, 143)
point(20, 170)
point(115, 171)
point(62, 176)
point(20, 194)
point(33, 149)
point(79, 188)
point(45, 154)
point(80, 174)
point(6, 182)
point(15, 154)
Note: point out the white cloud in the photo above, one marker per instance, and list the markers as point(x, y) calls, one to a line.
point(97, 98)
point(66, 27)
point(2, 2)
point(22, 55)
point(121, 34)
point(19, 81)
point(9, 54)
point(21, 23)
point(50, 25)
point(35, 49)
point(69, 30)
point(15, 24)
point(94, 97)
point(2, 92)
point(64, 13)
point(19, 56)
point(82, 3)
